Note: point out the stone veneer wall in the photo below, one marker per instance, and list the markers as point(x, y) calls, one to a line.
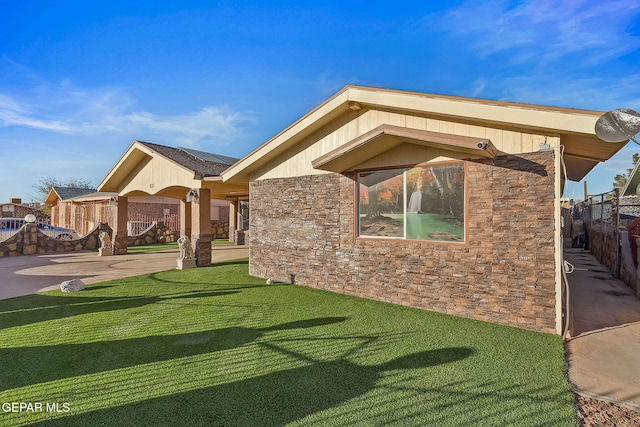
point(29, 241)
point(303, 230)
point(220, 230)
point(156, 233)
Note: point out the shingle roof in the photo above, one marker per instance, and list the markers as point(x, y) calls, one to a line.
point(69, 193)
point(205, 164)
point(216, 158)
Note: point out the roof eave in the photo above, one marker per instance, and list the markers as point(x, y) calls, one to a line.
point(541, 118)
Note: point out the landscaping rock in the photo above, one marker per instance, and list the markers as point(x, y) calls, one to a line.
point(73, 285)
point(598, 413)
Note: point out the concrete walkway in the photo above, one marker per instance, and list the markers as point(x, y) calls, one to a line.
point(604, 349)
point(29, 274)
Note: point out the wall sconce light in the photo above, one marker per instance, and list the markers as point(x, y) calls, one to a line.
point(113, 201)
point(192, 196)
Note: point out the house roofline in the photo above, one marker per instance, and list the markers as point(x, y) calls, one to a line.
point(555, 120)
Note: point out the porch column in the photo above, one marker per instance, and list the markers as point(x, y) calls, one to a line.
point(201, 227)
point(233, 218)
point(185, 218)
point(55, 212)
point(120, 235)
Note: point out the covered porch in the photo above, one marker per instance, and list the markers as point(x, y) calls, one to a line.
point(190, 176)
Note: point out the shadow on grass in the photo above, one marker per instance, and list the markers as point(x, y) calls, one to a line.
point(69, 360)
point(42, 307)
point(239, 261)
point(274, 399)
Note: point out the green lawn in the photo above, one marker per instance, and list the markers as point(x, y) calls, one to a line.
point(215, 346)
point(168, 246)
point(152, 247)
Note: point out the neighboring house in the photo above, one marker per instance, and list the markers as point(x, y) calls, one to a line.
point(83, 209)
point(67, 212)
point(442, 203)
point(16, 209)
point(190, 177)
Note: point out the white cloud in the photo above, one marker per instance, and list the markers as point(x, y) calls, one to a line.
point(545, 31)
point(66, 109)
point(593, 93)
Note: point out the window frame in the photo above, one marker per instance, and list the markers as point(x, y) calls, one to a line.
point(404, 238)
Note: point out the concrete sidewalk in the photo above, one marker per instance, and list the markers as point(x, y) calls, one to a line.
point(604, 349)
point(29, 274)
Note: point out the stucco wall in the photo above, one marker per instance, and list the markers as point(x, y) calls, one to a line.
point(303, 228)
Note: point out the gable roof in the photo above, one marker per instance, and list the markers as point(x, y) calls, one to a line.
point(575, 128)
point(200, 162)
point(148, 168)
point(65, 193)
point(70, 192)
point(210, 157)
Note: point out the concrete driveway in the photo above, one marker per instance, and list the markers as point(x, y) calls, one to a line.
point(29, 274)
point(604, 349)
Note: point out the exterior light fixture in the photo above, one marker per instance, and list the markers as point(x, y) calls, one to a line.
point(113, 201)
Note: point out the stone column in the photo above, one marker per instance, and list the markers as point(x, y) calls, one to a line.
point(201, 227)
point(120, 235)
point(30, 239)
point(185, 218)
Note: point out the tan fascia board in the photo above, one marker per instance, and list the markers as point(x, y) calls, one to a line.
point(386, 137)
point(137, 145)
point(94, 198)
point(549, 119)
point(109, 176)
point(307, 124)
point(555, 119)
point(52, 197)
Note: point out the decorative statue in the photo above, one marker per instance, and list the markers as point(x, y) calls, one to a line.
point(186, 252)
point(105, 240)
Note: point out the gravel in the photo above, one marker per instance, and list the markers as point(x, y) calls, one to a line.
point(598, 413)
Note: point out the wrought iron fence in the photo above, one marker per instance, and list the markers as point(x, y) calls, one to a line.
point(138, 222)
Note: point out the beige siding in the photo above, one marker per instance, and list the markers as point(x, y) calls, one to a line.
point(297, 162)
point(407, 154)
point(158, 174)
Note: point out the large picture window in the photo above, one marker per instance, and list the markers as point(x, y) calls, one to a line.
point(426, 202)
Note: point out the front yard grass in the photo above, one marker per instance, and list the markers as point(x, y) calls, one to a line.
point(215, 346)
point(154, 247)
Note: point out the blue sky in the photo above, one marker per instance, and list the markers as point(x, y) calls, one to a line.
point(79, 81)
